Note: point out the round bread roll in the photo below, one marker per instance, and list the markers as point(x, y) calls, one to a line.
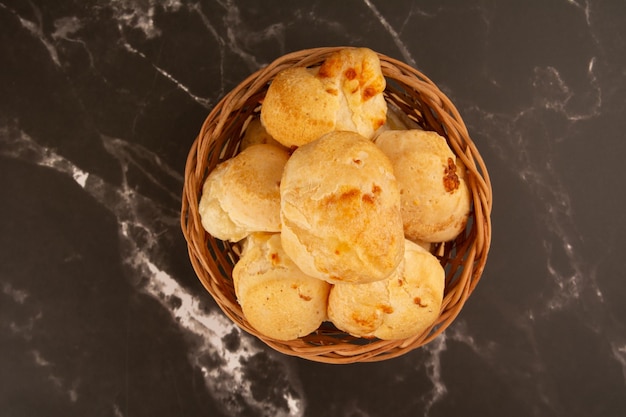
point(344, 93)
point(256, 134)
point(340, 210)
point(435, 197)
point(401, 306)
point(297, 108)
point(276, 297)
point(241, 195)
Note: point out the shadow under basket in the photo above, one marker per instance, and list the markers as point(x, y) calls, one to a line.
point(419, 98)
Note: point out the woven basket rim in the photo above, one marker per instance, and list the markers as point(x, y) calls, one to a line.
point(413, 93)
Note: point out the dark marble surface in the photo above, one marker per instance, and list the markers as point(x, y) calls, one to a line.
point(100, 311)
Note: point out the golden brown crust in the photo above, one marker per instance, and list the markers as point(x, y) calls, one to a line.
point(276, 297)
point(435, 196)
point(401, 306)
point(451, 181)
point(242, 195)
point(344, 93)
point(297, 108)
point(340, 210)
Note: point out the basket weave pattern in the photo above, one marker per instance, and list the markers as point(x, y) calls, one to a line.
point(419, 98)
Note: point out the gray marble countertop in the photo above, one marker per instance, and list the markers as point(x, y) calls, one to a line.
point(101, 313)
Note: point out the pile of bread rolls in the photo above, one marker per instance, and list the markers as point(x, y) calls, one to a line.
point(336, 199)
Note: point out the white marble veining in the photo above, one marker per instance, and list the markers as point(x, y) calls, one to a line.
point(433, 370)
point(395, 36)
point(513, 135)
point(208, 329)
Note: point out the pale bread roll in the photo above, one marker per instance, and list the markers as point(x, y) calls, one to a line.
point(276, 297)
point(435, 197)
point(241, 195)
point(297, 108)
point(344, 93)
point(340, 210)
point(256, 134)
point(402, 306)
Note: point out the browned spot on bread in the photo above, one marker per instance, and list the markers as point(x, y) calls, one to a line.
point(350, 73)
point(342, 247)
point(418, 301)
point(348, 195)
point(344, 197)
point(324, 72)
point(368, 198)
point(368, 93)
point(371, 198)
point(387, 309)
point(304, 297)
point(330, 68)
point(332, 91)
point(450, 179)
point(362, 321)
point(274, 258)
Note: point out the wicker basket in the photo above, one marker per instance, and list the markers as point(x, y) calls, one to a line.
point(213, 260)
